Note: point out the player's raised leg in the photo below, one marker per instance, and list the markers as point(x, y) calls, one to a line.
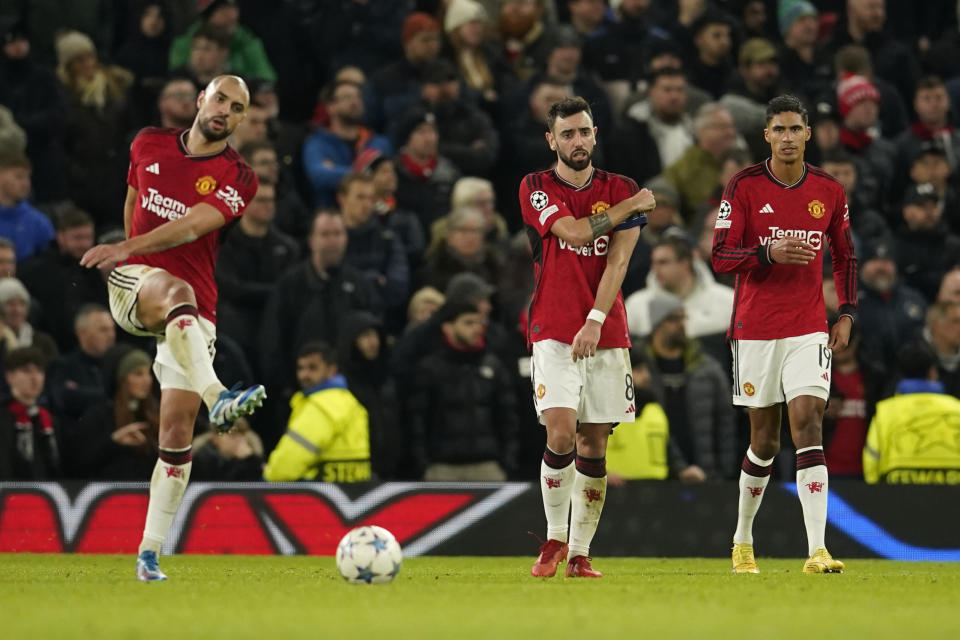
point(167, 306)
point(806, 418)
point(754, 476)
point(589, 494)
point(178, 412)
point(556, 486)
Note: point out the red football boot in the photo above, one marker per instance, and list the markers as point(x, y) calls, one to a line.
point(579, 567)
point(551, 553)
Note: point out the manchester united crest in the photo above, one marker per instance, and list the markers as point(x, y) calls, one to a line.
point(205, 185)
point(599, 207)
point(816, 208)
point(540, 391)
point(749, 389)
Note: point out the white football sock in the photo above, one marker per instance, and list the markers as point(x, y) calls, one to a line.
point(589, 494)
point(167, 485)
point(556, 485)
point(752, 488)
point(812, 489)
point(189, 348)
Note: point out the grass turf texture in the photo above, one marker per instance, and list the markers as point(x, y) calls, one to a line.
point(238, 597)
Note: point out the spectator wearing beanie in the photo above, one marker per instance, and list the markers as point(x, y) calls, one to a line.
point(397, 85)
point(858, 102)
point(480, 60)
point(805, 66)
point(425, 178)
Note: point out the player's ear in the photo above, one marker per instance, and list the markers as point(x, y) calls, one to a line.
point(808, 133)
point(766, 134)
point(549, 137)
point(201, 98)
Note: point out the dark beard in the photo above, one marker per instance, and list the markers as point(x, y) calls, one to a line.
point(576, 165)
point(213, 136)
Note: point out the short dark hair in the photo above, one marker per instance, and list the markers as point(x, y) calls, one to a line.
point(837, 156)
point(681, 248)
point(23, 357)
point(251, 148)
point(14, 160)
point(666, 72)
point(72, 217)
point(915, 359)
point(566, 108)
point(327, 93)
point(786, 103)
point(929, 82)
point(214, 34)
point(318, 348)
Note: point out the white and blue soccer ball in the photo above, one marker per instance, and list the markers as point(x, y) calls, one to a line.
point(369, 555)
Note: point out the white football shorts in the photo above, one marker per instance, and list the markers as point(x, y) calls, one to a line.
point(768, 372)
point(123, 287)
point(599, 388)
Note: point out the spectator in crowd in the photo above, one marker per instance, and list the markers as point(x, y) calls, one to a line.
point(525, 33)
point(854, 60)
point(707, 305)
point(252, 258)
point(247, 57)
point(177, 103)
point(805, 65)
point(311, 300)
point(950, 286)
point(932, 128)
point(713, 42)
point(373, 250)
point(118, 437)
point(858, 103)
point(31, 92)
point(942, 333)
point(464, 249)
point(361, 34)
point(29, 449)
point(425, 177)
point(867, 223)
point(75, 380)
point(889, 312)
point(209, 54)
point(235, 456)
point(638, 450)
point(8, 258)
point(694, 174)
point(663, 220)
point(618, 56)
point(912, 437)
point(329, 153)
point(98, 117)
point(145, 52)
point(478, 193)
point(363, 357)
point(891, 58)
point(753, 85)
point(930, 166)
point(478, 57)
point(656, 131)
point(20, 222)
point(462, 413)
point(467, 135)
point(253, 128)
point(58, 283)
point(397, 85)
point(327, 437)
point(693, 389)
point(403, 223)
point(857, 383)
point(14, 309)
point(423, 304)
point(292, 215)
point(925, 247)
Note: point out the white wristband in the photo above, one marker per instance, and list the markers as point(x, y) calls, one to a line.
point(596, 314)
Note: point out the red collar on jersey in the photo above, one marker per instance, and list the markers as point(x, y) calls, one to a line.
point(777, 181)
point(182, 143)
point(570, 185)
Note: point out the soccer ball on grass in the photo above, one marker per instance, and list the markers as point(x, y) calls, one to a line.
point(369, 555)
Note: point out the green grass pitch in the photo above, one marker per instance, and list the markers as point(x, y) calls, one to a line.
point(238, 597)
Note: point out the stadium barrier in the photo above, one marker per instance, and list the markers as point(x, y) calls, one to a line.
point(640, 519)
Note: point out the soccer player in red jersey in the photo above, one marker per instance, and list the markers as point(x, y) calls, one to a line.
point(583, 224)
point(183, 187)
point(773, 221)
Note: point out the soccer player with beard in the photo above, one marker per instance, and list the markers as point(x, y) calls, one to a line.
point(583, 224)
point(770, 230)
point(184, 185)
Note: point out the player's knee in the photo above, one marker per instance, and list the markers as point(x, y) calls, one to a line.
point(560, 442)
point(179, 293)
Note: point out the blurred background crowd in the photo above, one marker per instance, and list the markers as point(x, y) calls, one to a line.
point(384, 251)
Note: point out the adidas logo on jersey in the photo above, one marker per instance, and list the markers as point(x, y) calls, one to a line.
point(766, 208)
point(154, 169)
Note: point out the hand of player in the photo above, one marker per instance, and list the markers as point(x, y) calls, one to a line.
point(644, 200)
point(840, 333)
point(104, 253)
point(789, 250)
point(585, 342)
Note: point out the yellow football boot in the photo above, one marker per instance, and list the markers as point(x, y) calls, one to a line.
point(743, 561)
point(822, 562)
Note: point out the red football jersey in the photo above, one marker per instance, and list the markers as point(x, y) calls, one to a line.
point(566, 277)
point(169, 181)
point(779, 300)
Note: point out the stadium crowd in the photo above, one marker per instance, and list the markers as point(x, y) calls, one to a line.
point(378, 283)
